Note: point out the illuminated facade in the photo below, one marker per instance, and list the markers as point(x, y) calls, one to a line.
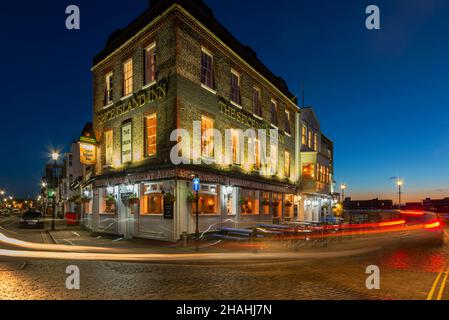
point(173, 66)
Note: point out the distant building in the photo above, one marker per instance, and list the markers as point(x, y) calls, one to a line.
point(413, 206)
point(436, 205)
point(374, 204)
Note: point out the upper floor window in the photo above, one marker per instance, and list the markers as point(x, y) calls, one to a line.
point(150, 64)
point(315, 141)
point(287, 164)
point(207, 138)
point(310, 143)
point(304, 135)
point(109, 147)
point(308, 171)
point(235, 147)
point(274, 159)
point(151, 135)
point(207, 69)
point(274, 112)
point(257, 102)
point(128, 77)
point(235, 87)
point(288, 128)
point(108, 92)
point(257, 152)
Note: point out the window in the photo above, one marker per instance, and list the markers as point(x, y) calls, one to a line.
point(315, 141)
point(151, 135)
point(150, 64)
point(257, 154)
point(249, 202)
point(310, 139)
point(108, 203)
point(208, 200)
point(257, 102)
point(108, 92)
point(304, 135)
point(274, 112)
point(274, 159)
point(235, 87)
point(128, 77)
point(109, 147)
point(207, 140)
point(207, 69)
point(287, 122)
point(308, 171)
point(287, 164)
point(235, 147)
point(151, 201)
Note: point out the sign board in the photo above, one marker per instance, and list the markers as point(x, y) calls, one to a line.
point(51, 193)
point(127, 143)
point(126, 195)
point(168, 210)
point(88, 153)
point(196, 184)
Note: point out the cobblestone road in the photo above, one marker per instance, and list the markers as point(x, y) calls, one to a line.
point(405, 274)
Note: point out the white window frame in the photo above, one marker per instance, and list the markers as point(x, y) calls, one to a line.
point(235, 103)
point(109, 100)
point(125, 94)
point(149, 84)
point(205, 86)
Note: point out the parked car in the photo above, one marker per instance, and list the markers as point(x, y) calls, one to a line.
point(15, 212)
point(32, 219)
point(5, 213)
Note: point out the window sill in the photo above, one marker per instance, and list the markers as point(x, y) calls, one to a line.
point(208, 89)
point(144, 215)
point(236, 104)
point(126, 97)
point(108, 105)
point(146, 86)
point(107, 213)
point(206, 214)
point(274, 126)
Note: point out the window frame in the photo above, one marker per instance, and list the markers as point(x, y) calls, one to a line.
point(147, 80)
point(209, 153)
point(274, 120)
point(128, 80)
point(257, 104)
point(287, 168)
point(146, 118)
point(209, 86)
point(237, 103)
point(105, 134)
point(108, 89)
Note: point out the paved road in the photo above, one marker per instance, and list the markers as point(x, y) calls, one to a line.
point(406, 273)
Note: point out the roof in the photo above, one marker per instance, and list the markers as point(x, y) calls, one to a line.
point(199, 10)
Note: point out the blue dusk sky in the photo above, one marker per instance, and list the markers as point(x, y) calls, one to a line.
point(381, 96)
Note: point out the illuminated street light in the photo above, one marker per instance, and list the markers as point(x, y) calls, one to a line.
point(44, 184)
point(55, 155)
point(343, 188)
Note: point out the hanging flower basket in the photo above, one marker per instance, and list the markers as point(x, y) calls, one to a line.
point(288, 204)
point(169, 197)
point(110, 200)
point(275, 204)
point(133, 200)
point(191, 198)
point(266, 202)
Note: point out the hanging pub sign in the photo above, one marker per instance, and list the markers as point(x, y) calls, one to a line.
point(127, 142)
point(87, 153)
point(88, 146)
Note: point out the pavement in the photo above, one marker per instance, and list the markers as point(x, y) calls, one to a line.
point(406, 273)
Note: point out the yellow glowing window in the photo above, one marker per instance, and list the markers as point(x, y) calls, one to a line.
point(235, 147)
point(151, 138)
point(308, 171)
point(287, 164)
point(151, 204)
point(304, 135)
point(257, 154)
point(128, 77)
point(274, 159)
point(109, 147)
point(315, 142)
point(207, 138)
point(108, 94)
point(310, 139)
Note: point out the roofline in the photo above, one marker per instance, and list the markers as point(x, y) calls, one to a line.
point(174, 7)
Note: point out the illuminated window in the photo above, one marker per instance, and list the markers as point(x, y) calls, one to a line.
point(235, 87)
point(310, 139)
point(108, 203)
point(308, 171)
point(150, 64)
point(108, 92)
point(152, 199)
point(274, 112)
point(257, 154)
point(249, 202)
point(287, 122)
point(207, 69)
point(235, 147)
point(287, 164)
point(208, 200)
point(151, 138)
point(257, 102)
point(315, 141)
point(207, 140)
point(274, 159)
point(128, 77)
point(304, 135)
point(109, 147)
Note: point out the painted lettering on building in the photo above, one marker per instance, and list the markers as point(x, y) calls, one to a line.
point(138, 100)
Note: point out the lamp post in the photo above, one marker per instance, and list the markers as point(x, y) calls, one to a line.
point(399, 183)
point(55, 157)
point(343, 188)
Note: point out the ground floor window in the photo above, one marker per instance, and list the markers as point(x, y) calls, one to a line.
point(276, 205)
point(266, 203)
point(249, 202)
point(207, 200)
point(288, 206)
point(108, 202)
point(152, 199)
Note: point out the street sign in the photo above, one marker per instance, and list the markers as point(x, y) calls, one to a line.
point(196, 184)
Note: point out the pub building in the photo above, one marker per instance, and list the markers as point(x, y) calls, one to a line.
point(173, 65)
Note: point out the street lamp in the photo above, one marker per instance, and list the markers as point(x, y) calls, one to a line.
point(399, 183)
point(343, 188)
point(55, 157)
